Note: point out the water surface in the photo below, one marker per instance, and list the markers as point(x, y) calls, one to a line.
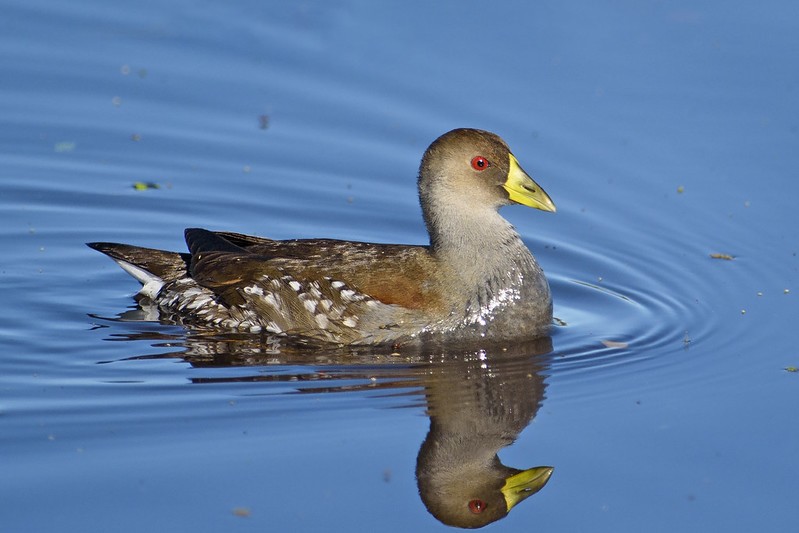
point(665, 132)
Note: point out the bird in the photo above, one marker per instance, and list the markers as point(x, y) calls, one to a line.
point(475, 280)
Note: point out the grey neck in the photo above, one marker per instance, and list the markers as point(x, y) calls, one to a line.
point(479, 244)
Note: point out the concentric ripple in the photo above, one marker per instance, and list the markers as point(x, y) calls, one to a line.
point(614, 311)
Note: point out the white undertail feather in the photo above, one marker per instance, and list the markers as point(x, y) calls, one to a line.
point(151, 284)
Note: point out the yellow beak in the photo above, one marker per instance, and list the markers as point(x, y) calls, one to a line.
point(524, 484)
point(522, 189)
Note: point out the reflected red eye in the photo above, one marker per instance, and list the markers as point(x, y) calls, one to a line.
point(480, 163)
point(477, 506)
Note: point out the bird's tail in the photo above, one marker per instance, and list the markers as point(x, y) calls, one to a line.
point(151, 267)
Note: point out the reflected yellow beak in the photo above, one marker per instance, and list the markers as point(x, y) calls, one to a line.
point(524, 484)
point(522, 189)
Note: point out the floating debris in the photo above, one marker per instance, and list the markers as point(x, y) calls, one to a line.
point(680, 189)
point(144, 185)
point(263, 121)
point(243, 512)
point(126, 70)
point(726, 257)
point(791, 369)
point(615, 344)
point(62, 147)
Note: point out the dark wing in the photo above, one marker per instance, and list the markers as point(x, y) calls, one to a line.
point(221, 266)
point(284, 297)
point(391, 273)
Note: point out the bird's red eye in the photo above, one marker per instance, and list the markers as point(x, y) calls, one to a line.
point(477, 506)
point(480, 163)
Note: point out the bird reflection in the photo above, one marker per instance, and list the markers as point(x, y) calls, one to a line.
point(476, 408)
point(477, 401)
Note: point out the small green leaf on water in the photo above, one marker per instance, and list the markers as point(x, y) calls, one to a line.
point(791, 369)
point(62, 147)
point(680, 189)
point(726, 257)
point(144, 185)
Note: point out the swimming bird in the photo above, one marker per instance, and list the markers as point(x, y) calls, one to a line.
point(475, 280)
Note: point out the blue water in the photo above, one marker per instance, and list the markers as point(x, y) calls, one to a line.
point(664, 132)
